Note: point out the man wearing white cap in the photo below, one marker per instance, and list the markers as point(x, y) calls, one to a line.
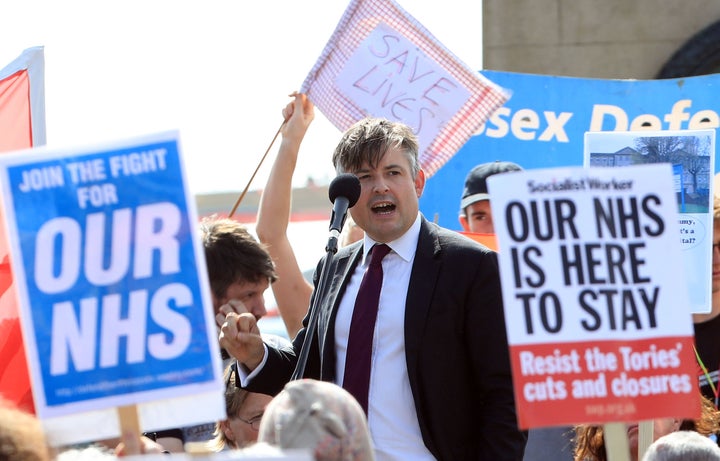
point(475, 215)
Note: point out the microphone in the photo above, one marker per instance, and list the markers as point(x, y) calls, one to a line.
point(344, 192)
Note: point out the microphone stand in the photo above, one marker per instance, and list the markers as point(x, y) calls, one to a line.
point(311, 328)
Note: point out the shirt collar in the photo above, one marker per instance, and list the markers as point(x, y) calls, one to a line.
point(404, 246)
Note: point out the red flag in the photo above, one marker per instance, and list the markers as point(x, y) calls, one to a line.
point(22, 125)
point(382, 62)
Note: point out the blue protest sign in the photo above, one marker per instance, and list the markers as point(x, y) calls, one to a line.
point(543, 124)
point(111, 277)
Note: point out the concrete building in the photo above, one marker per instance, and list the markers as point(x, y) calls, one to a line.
point(597, 38)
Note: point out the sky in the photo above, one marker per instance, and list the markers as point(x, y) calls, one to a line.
point(217, 71)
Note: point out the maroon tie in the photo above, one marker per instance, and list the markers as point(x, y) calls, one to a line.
point(357, 362)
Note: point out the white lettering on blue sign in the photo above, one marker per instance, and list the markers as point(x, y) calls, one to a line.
point(156, 229)
point(525, 124)
point(74, 338)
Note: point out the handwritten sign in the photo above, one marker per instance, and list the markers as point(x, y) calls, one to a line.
point(592, 303)
point(391, 77)
point(381, 62)
point(114, 299)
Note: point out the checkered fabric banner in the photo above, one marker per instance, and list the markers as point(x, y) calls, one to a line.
point(382, 62)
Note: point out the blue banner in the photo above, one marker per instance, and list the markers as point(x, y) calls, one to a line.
point(112, 282)
point(544, 122)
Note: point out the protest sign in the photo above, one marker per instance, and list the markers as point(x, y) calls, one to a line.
point(594, 315)
point(115, 303)
point(382, 62)
point(544, 123)
point(22, 125)
point(692, 156)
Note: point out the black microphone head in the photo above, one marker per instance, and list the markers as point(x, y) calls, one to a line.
point(345, 185)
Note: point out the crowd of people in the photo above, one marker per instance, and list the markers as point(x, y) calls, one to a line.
point(419, 370)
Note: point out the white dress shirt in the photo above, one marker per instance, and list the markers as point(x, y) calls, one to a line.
point(392, 417)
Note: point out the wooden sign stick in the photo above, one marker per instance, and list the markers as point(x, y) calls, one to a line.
point(616, 442)
point(237, 202)
point(645, 437)
point(130, 424)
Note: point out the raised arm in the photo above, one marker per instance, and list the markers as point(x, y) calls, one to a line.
point(291, 290)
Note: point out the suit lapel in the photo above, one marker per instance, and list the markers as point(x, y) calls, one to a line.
point(423, 278)
point(345, 265)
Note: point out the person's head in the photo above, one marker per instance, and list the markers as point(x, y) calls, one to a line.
point(661, 426)
point(22, 437)
point(475, 212)
point(683, 446)
point(384, 156)
point(239, 267)
point(244, 411)
point(319, 416)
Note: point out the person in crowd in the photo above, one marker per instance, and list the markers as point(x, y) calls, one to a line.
point(707, 325)
point(239, 269)
point(244, 410)
point(682, 446)
point(475, 212)
point(291, 290)
point(476, 216)
point(440, 385)
point(22, 437)
point(319, 416)
point(590, 442)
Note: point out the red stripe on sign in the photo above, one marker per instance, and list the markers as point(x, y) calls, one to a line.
point(604, 381)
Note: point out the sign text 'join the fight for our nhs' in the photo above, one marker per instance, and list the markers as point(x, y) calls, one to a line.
point(115, 291)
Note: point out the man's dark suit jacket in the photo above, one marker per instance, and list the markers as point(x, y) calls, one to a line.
point(455, 344)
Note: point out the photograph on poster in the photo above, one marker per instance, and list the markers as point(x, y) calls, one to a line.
point(691, 154)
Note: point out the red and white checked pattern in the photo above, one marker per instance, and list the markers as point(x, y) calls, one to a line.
point(359, 20)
